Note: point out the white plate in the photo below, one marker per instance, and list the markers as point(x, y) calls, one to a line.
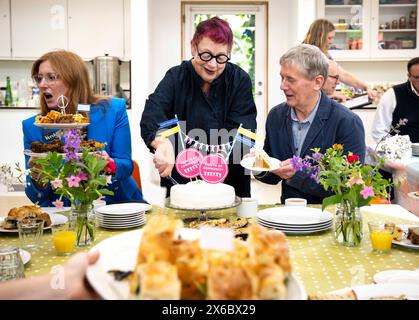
point(138, 218)
point(30, 153)
point(248, 164)
point(296, 216)
point(116, 223)
point(406, 242)
point(25, 255)
point(294, 228)
point(297, 226)
point(297, 232)
point(121, 209)
point(61, 125)
point(123, 227)
point(119, 217)
point(56, 219)
point(397, 276)
point(120, 253)
point(368, 291)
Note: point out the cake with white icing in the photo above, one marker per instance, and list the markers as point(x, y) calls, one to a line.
point(202, 195)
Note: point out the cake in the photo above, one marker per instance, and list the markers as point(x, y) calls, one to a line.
point(262, 160)
point(202, 195)
point(413, 235)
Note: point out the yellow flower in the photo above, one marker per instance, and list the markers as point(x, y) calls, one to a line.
point(337, 146)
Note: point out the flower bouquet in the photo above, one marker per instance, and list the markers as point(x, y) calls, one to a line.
point(352, 184)
point(81, 176)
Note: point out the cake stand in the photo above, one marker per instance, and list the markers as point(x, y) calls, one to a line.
point(203, 211)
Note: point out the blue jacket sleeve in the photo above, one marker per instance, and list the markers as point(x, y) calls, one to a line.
point(120, 148)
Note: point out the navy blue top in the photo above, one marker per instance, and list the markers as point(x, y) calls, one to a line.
point(228, 103)
point(108, 123)
point(332, 124)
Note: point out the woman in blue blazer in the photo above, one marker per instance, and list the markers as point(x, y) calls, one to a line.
point(64, 73)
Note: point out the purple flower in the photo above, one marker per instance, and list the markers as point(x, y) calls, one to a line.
point(316, 156)
point(72, 145)
point(297, 163)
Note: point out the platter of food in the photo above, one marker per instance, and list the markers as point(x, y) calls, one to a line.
point(50, 215)
point(61, 125)
point(406, 236)
point(165, 261)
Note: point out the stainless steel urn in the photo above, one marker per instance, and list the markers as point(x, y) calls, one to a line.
point(106, 76)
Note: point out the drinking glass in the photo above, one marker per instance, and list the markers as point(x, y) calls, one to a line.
point(381, 236)
point(11, 264)
point(30, 232)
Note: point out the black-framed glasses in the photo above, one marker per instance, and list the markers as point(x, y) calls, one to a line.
point(336, 77)
point(414, 77)
point(208, 56)
point(49, 78)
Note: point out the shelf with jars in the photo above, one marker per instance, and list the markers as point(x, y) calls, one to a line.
point(372, 30)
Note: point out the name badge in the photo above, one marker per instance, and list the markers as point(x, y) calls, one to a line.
point(51, 136)
point(83, 107)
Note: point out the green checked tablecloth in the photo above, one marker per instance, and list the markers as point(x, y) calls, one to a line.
point(321, 264)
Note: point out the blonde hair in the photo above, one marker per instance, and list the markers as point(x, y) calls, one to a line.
point(317, 34)
point(72, 70)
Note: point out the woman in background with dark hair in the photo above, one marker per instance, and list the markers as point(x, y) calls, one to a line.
point(64, 73)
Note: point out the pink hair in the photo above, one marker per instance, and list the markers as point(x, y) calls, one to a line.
point(218, 30)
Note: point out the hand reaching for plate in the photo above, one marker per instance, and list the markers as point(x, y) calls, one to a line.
point(285, 171)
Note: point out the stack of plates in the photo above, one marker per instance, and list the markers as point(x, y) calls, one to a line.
point(295, 220)
point(415, 149)
point(122, 215)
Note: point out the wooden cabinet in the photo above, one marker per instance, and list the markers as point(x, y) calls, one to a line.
point(96, 27)
point(372, 29)
point(89, 28)
point(5, 48)
point(38, 27)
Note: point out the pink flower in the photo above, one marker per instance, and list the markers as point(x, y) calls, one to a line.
point(110, 167)
point(73, 181)
point(57, 183)
point(367, 192)
point(58, 204)
point(82, 175)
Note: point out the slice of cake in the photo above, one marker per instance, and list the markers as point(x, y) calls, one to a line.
point(413, 235)
point(262, 160)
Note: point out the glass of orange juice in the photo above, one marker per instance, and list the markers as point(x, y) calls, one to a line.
point(63, 238)
point(381, 236)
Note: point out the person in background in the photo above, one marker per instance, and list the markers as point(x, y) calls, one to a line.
point(63, 73)
point(332, 80)
point(74, 284)
point(400, 102)
point(321, 34)
point(208, 93)
point(308, 119)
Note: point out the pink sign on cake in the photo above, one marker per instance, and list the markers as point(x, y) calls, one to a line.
point(187, 163)
point(213, 168)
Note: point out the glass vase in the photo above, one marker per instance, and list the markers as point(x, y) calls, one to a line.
point(83, 222)
point(348, 224)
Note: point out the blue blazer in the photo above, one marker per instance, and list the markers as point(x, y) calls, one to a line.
point(333, 123)
point(108, 123)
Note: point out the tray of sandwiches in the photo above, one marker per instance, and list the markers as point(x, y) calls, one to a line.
point(39, 149)
point(8, 224)
point(166, 261)
point(260, 161)
point(57, 120)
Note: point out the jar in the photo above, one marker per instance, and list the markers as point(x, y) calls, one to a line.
point(395, 24)
point(402, 23)
point(11, 264)
point(348, 224)
point(83, 222)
